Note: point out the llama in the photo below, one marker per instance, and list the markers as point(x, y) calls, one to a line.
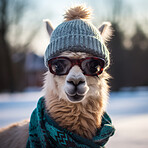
point(72, 111)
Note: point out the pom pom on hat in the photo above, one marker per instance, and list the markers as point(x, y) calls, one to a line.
point(78, 12)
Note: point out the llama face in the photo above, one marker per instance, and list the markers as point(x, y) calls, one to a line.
point(75, 86)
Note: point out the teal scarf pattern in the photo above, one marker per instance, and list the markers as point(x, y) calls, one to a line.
point(44, 132)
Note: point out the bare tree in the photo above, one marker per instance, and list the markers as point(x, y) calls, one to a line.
point(6, 74)
point(11, 15)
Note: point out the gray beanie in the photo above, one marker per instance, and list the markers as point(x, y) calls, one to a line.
point(77, 36)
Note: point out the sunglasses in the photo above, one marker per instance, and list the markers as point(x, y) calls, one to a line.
point(91, 66)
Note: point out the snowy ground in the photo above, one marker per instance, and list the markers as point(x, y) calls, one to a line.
point(128, 110)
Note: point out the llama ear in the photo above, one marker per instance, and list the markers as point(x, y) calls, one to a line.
point(106, 31)
point(49, 27)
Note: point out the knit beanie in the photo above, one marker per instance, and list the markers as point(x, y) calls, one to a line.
point(76, 35)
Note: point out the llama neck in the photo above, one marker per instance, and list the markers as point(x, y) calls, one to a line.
point(78, 118)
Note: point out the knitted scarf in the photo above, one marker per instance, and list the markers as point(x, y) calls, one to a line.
point(44, 132)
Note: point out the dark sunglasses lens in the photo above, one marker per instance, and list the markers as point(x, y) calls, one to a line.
point(60, 66)
point(92, 66)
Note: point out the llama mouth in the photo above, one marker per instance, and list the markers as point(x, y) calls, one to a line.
point(75, 98)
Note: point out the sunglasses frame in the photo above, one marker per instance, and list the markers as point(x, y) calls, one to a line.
point(77, 62)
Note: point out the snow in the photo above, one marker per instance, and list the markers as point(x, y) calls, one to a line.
point(128, 110)
point(17, 106)
point(128, 103)
point(129, 113)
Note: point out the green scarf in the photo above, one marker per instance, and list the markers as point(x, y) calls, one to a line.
point(44, 132)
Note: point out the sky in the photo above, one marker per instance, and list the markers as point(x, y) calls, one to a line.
point(57, 7)
point(132, 10)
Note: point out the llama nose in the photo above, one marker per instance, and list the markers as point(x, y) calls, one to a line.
point(75, 81)
point(76, 85)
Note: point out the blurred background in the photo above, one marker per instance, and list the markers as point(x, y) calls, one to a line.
point(23, 41)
